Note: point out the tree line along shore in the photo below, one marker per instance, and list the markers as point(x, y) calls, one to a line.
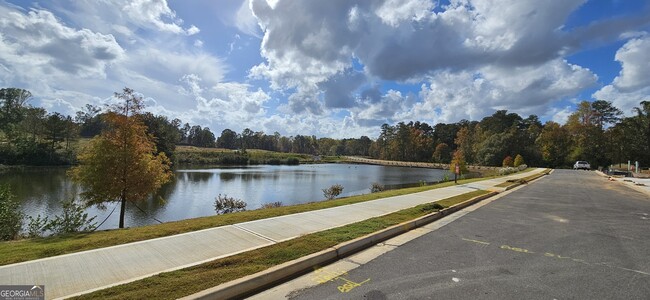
point(596, 132)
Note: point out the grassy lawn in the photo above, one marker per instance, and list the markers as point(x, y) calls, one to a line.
point(172, 285)
point(30, 249)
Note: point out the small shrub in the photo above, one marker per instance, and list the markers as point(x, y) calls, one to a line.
point(11, 217)
point(507, 162)
point(272, 205)
point(36, 227)
point(225, 205)
point(519, 160)
point(292, 161)
point(376, 187)
point(274, 161)
point(73, 219)
point(510, 170)
point(233, 159)
point(507, 171)
point(333, 191)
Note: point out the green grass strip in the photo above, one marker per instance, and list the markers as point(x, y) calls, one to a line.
point(180, 283)
point(30, 249)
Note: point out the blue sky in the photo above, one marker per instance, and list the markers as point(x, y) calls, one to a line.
point(329, 68)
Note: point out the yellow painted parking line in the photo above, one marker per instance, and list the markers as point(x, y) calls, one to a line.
point(516, 249)
point(476, 241)
point(557, 256)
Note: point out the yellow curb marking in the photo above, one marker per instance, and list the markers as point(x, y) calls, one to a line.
point(324, 276)
point(349, 285)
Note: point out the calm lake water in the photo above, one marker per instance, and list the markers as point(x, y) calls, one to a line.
point(191, 194)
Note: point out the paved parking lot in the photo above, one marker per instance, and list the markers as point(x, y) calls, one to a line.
point(570, 235)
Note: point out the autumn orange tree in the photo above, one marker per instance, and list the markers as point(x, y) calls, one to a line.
point(121, 163)
point(458, 158)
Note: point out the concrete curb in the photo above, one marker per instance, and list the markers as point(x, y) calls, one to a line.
point(537, 176)
point(250, 284)
point(240, 287)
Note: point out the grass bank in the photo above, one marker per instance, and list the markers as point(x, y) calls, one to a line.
point(216, 156)
point(176, 284)
point(30, 249)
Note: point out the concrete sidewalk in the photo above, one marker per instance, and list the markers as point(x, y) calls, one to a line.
point(83, 272)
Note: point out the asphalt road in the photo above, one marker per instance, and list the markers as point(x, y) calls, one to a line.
point(570, 235)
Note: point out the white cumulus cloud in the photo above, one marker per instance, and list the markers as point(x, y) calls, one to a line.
point(153, 13)
point(632, 85)
point(69, 61)
point(496, 54)
point(37, 43)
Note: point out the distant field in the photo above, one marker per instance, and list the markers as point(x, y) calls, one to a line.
point(219, 156)
point(180, 148)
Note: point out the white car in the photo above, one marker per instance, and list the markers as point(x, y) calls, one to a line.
point(581, 165)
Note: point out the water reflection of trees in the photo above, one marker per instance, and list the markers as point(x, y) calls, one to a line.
point(41, 189)
point(251, 176)
point(198, 176)
point(147, 211)
point(165, 191)
point(158, 201)
point(223, 176)
point(247, 176)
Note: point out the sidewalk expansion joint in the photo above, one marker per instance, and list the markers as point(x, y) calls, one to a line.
point(255, 233)
point(351, 261)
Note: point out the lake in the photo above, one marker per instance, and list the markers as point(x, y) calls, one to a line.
point(192, 192)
